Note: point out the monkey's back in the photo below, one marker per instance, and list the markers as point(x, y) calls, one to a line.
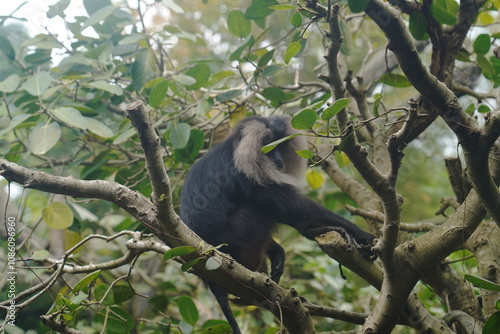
point(215, 195)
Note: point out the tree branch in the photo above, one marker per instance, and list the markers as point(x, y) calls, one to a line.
point(477, 141)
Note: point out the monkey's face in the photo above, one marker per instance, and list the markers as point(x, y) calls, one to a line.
point(275, 131)
point(277, 158)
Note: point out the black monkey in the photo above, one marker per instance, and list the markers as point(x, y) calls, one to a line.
point(236, 195)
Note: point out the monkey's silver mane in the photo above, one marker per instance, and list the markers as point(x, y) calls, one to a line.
point(257, 166)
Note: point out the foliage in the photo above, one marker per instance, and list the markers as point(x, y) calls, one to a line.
point(200, 66)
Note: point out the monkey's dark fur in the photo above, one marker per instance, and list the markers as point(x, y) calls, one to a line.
point(236, 195)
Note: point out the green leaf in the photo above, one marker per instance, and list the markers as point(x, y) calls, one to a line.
point(41, 41)
point(102, 291)
point(10, 84)
point(180, 33)
point(282, 7)
point(483, 109)
point(86, 281)
point(418, 25)
point(5, 147)
point(158, 93)
point(184, 79)
point(58, 215)
point(7, 48)
point(492, 325)
point(271, 146)
point(101, 53)
point(117, 320)
point(99, 16)
point(40, 255)
point(122, 293)
point(187, 309)
point(485, 65)
point(264, 60)
point(376, 104)
point(296, 20)
point(201, 73)
point(395, 80)
point(154, 82)
point(222, 328)
point(275, 95)
point(14, 122)
point(237, 24)
point(190, 264)
point(98, 128)
point(271, 70)
point(443, 12)
point(143, 69)
point(357, 6)
point(193, 147)
point(178, 251)
point(470, 109)
point(58, 9)
point(106, 86)
point(70, 116)
point(259, 9)
point(228, 95)
point(132, 39)
point(482, 44)
point(347, 46)
point(291, 51)
point(305, 119)
point(342, 158)
point(334, 109)
point(37, 84)
point(219, 76)
point(306, 154)
point(170, 4)
point(483, 283)
point(204, 106)
point(92, 6)
point(76, 300)
point(39, 57)
point(236, 55)
point(179, 135)
point(43, 137)
point(121, 138)
point(314, 179)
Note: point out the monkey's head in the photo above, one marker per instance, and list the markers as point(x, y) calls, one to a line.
point(282, 164)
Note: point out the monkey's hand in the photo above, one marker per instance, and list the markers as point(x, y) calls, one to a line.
point(366, 249)
point(362, 243)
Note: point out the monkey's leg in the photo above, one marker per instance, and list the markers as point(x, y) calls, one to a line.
point(276, 254)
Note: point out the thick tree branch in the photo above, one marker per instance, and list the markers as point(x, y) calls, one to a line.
point(414, 313)
point(397, 142)
point(151, 144)
point(468, 323)
point(487, 251)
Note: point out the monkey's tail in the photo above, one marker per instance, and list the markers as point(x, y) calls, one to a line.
point(223, 301)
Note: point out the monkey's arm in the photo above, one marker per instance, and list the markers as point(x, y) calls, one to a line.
point(310, 218)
